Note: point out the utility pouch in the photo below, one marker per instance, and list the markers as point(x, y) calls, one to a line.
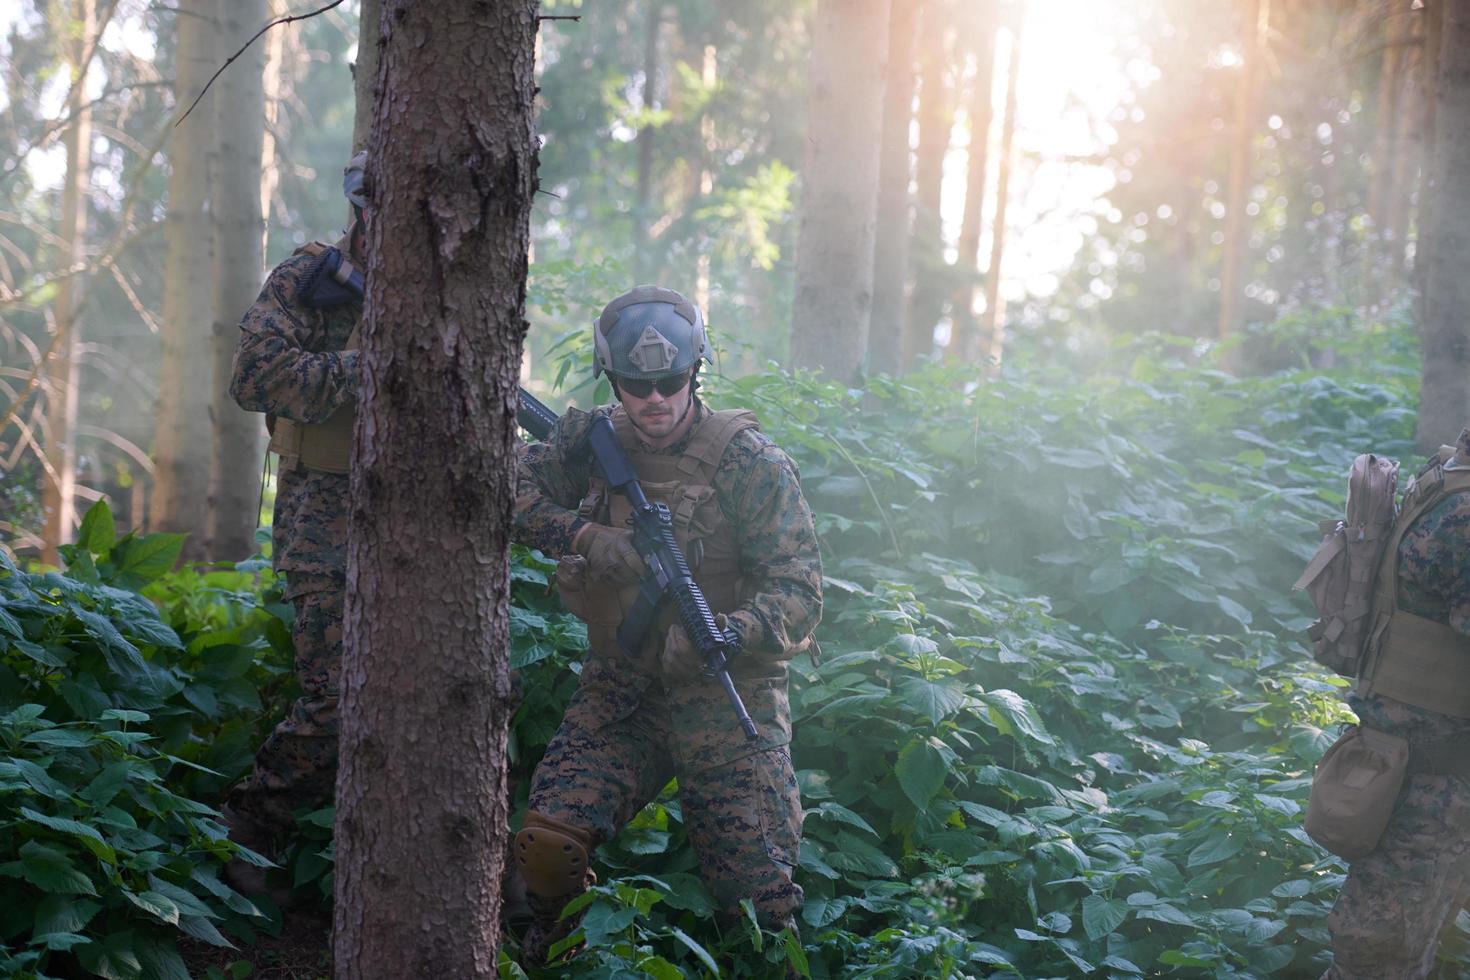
point(1355, 790)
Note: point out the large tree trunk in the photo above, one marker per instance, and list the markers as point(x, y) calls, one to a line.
point(891, 239)
point(181, 449)
point(61, 368)
point(1242, 139)
point(426, 697)
point(966, 340)
point(936, 119)
point(1444, 394)
point(365, 72)
point(993, 324)
point(834, 245)
point(239, 252)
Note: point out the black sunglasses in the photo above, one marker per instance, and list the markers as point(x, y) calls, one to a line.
point(668, 387)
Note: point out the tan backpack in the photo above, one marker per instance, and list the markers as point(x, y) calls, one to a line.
point(1341, 576)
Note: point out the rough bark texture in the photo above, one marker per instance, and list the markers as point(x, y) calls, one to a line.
point(834, 246)
point(891, 241)
point(61, 367)
point(181, 449)
point(365, 71)
point(239, 252)
point(936, 119)
point(993, 324)
point(421, 809)
point(1242, 137)
point(1444, 396)
point(966, 341)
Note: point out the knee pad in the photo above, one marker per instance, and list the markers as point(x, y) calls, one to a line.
point(552, 856)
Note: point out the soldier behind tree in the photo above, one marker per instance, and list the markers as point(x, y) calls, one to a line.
point(296, 361)
point(1396, 899)
point(636, 721)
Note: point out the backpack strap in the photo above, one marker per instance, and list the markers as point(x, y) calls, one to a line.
point(1411, 658)
point(712, 438)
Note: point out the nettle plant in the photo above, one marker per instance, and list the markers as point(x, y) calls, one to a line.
point(115, 723)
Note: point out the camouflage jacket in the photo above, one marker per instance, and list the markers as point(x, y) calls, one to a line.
point(1433, 582)
point(758, 490)
point(289, 363)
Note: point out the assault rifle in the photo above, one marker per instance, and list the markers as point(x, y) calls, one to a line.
point(668, 578)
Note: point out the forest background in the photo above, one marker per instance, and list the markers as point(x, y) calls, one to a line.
point(1073, 316)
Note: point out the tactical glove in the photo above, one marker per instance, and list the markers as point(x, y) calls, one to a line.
point(610, 554)
point(679, 658)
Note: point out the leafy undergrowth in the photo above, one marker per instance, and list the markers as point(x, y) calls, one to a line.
point(1060, 724)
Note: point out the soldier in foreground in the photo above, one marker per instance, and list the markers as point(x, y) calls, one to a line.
point(296, 361)
point(642, 717)
point(1416, 689)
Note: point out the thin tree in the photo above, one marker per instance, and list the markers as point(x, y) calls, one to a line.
point(182, 444)
point(936, 121)
point(1444, 393)
point(1242, 138)
point(239, 267)
point(834, 245)
point(966, 327)
point(992, 324)
point(891, 239)
point(421, 807)
point(643, 202)
point(365, 71)
point(61, 366)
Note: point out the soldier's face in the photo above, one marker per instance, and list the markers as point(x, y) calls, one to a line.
point(656, 414)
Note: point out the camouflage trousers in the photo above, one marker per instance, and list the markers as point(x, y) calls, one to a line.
point(1394, 902)
point(743, 818)
point(297, 766)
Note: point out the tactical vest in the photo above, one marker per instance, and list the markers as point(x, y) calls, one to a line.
point(327, 445)
point(685, 484)
point(1410, 658)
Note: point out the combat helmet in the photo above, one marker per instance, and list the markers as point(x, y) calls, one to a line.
point(354, 178)
point(648, 333)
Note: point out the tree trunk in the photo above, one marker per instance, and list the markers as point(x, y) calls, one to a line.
point(365, 72)
point(181, 449)
point(421, 805)
point(993, 324)
point(926, 253)
point(966, 329)
point(1243, 134)
point(891, 239)
point(275, 58)
point(834, 245)
point(57, 501)
point(642, 211)
point(239, 267)
point(1444, 395)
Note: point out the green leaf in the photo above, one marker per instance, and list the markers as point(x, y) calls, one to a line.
point(603, 922)
point(62, 942)
point(203, 929)
point(936, 700)
point(795, 955)
point(857, 855)
point(921, 772)
point(156, 905)
point(51, 870)
point(1020, 713)
point(9, 624)
point(149, 557)
point(61, 914)
point(91, 839)
point(699, 951)
point(61, 738)
point(1217, 848)
point(98, 530)
point(1102, 916)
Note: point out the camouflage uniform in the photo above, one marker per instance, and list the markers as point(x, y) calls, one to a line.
point(629, 729)
point(1395, 901)
point(290, 363)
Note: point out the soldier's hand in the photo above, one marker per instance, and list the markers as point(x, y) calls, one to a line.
point(678, 658)
point(610, 554)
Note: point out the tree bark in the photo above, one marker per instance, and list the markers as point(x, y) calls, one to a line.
point(181, 450)
point(1243, 134)
point(1444, 395)
point(426, 697)
point(57, 502)
point(966, 340)
point(936, 119)
point(365, 72)
point(239, 267)
point(891, 239)
point(834, 245)
point(992, 324)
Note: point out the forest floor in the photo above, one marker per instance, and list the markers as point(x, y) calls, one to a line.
point(302, 950)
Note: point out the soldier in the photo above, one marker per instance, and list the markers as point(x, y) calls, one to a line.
point(296, 361)
point(636, 721)
point(1396, 899)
